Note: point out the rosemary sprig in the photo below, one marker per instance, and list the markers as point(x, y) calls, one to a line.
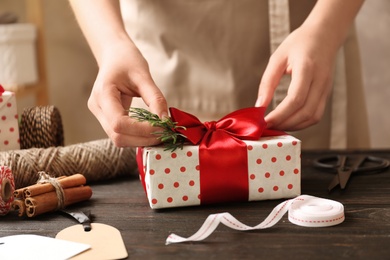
point(168, 136)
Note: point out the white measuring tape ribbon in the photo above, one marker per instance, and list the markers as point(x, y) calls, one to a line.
point(304, 210)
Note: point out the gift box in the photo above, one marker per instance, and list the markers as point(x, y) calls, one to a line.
point(9, 128)
point(224, 162)
point(18, 61)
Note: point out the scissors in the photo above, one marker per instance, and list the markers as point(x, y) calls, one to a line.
point(346, 165)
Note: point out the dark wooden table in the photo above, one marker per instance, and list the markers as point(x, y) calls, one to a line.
point(365, 234)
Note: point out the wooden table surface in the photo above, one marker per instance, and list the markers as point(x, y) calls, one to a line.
point(365, 233)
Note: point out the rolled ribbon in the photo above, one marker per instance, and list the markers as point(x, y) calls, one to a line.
point(304, 210)
point(7, 187)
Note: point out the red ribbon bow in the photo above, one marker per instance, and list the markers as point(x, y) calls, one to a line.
point(223, 158)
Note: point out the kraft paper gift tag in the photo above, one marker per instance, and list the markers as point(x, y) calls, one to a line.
point(106, 241)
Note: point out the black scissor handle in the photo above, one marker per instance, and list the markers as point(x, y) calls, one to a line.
point(333, 162)
point(381, 164)
point(330, 162)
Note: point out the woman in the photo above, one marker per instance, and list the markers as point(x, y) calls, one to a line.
point(207, 58)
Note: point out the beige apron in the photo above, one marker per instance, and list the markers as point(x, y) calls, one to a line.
point(207, 57)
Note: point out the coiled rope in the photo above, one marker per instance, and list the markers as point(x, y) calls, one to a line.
point(41, 127)
point(96, 160)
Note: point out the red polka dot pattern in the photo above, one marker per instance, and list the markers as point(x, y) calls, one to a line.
point(172, 179)
point(276, 169)
point(9, 129)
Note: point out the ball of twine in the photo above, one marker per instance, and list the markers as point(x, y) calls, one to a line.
point(41, 127)
point(97, 160)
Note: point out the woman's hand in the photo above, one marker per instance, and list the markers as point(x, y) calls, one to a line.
point(123, 75)
point(308, 54)
point(309, 59)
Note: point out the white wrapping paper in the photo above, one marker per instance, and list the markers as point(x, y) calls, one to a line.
point(9, 128)
point(172, 179)
point(18, 60)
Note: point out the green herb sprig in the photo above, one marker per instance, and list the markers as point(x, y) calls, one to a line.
point(171, 139)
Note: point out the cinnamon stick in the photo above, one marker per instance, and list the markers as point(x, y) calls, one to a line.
point(65, 182)
point(20, 193)
point(18, 205)
point(48, 202)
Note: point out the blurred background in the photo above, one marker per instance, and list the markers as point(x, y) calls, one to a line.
point(71, 69)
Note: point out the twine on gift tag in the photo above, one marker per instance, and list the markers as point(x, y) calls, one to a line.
point(304, 210)
point(84, 218)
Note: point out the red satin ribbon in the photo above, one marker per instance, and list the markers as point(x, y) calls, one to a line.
point(223, 155)
point(2, 90)
point(140, 164)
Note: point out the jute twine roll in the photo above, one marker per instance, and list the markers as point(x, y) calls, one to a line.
point(96, 160)
point(41, 127)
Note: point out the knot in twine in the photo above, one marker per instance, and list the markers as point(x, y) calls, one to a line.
point(45, 178)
